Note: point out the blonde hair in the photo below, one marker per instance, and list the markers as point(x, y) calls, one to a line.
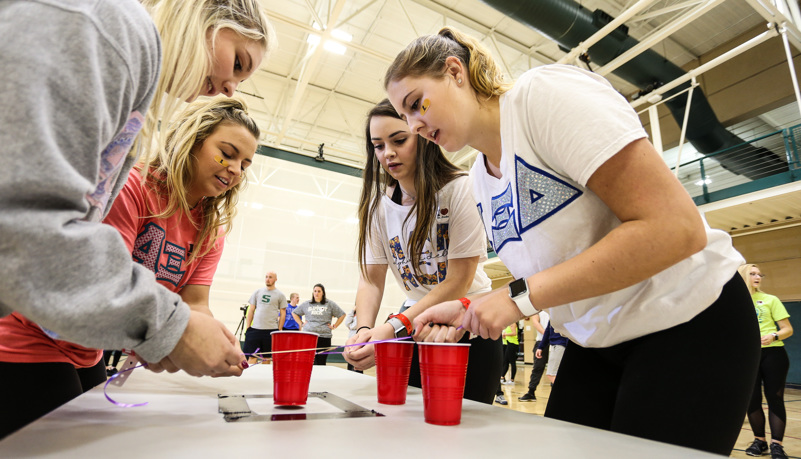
point(183, 26)
point(745, 273)
point(171, 173)
point(426, 55)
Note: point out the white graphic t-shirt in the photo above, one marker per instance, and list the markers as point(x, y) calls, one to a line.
point(559, 124)
point(458, 233)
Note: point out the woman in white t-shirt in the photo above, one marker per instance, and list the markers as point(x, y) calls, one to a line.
point(422, 225)
point(593, 225)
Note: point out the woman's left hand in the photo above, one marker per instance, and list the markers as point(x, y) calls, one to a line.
point(489, 314)
point(363, 357)
point(767, 339)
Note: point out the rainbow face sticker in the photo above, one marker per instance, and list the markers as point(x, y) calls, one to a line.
point(221, 160)
point(424, 106)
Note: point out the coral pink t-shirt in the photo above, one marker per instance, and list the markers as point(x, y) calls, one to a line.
point(162, 245)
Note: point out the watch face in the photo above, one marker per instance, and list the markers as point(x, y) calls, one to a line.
point(517, 287)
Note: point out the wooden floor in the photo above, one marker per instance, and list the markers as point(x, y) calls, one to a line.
point(792, 398)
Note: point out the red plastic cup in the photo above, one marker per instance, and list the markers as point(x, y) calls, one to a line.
point(443, 367)
point(392, 363)
point(292, 370)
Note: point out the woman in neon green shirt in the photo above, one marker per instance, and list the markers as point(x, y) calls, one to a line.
point(773, 366)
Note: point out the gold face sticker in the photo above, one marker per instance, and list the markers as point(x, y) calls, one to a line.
point(220, 160)
point(424, 106)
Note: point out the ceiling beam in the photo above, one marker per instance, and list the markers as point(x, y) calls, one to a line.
point(310, 68)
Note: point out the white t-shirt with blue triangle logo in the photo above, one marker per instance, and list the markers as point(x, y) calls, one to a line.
point(558, 125)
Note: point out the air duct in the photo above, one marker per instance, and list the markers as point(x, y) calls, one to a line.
point(568, 24)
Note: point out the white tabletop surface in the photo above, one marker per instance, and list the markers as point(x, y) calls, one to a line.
point(182, 420)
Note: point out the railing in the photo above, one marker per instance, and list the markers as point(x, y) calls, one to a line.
point(764, 162)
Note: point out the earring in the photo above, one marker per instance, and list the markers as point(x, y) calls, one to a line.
point(459, 81)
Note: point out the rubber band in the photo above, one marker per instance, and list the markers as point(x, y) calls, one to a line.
point(330, 348)
point(112, 378)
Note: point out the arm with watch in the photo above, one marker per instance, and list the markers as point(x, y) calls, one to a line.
point(508, 305)
point(368, 298)
point(785, 331)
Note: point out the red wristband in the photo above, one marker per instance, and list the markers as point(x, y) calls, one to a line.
point(406, 322)
point(465, 302)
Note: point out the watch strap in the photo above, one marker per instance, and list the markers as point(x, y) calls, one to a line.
point(523, 302)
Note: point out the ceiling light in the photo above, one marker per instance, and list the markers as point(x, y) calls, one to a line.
point(313, 39)
point(701, 182)
point(330, 45)
point(341, 35)
point(306, 213)
point(257, 206)
point(334, 47)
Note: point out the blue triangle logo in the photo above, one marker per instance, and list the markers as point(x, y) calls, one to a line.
point(540, 194)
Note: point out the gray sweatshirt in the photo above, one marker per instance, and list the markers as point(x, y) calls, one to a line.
point(78, 78)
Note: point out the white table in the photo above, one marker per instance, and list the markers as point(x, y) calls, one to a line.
point(182, 420)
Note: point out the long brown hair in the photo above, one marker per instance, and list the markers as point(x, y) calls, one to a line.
point(433, 172)
point(426, 55)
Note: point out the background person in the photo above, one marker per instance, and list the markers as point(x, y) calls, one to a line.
point(774, 328)
point(266, 314)
point(289, 322)
point(319, 311)
point(537, 321)
point(510, 353)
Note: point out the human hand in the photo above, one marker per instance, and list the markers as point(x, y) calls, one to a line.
point(538, 354)
point(489, 314)
point(363, 357)
point(207, 348)
point(440, 323)
point(767, 339)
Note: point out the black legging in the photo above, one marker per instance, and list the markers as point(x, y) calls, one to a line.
point(773, 367)
point(689, 385)
point(321, 359)
point(112, 358)
point(31, 390)
point(538, 369)
point(483, 369)
point(510, 359)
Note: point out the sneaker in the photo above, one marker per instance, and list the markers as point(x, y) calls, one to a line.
point(777, 451)
point(527, 397)
point(508, 382)
point(501, 400)
point(111, 372)
point(757, 448)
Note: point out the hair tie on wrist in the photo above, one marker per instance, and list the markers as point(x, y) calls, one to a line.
point(363, 326)
point(465, 302)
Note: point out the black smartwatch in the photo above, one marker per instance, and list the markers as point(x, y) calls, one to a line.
point(518, 292)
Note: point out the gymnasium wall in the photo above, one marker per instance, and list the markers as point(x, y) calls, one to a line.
point(271, 233)
point(778, 254)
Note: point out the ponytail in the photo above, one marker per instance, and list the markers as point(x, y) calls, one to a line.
point(426, 55)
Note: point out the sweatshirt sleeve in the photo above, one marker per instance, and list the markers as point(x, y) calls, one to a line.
point(89, 70)
point(546, 337)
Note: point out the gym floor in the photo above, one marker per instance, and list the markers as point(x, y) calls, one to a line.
point(792, 400)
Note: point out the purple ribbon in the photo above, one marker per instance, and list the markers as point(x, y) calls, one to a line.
point(365, 344)
point(123, 405)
